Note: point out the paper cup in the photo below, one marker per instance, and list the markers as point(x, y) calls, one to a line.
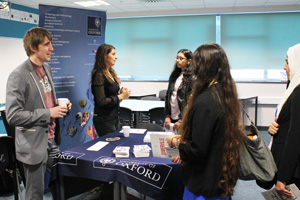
point(62, 102)
point(126, 131)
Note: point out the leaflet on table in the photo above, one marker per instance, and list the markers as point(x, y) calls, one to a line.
point(136, 131)
point(121, 151)
point(172, 152)
point(141, 148)
point(140, 151)
point(273, 195)
point(96, 147)
point(158, 143)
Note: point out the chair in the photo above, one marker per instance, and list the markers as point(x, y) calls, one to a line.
point(162, 94)
point(10, 130)
point(9, 162)
point(125, 115)
point(157, 115)
point(150, 127)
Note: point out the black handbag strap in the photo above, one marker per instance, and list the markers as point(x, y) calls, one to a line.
point(247, 115)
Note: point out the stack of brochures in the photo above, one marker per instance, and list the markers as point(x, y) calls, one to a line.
point(147, 137)
point(121, 151)
point(141, 151)
point(158, 143)
point(272, 194)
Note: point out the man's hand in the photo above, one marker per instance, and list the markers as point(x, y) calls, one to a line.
point(69, 105)
point(58, 111)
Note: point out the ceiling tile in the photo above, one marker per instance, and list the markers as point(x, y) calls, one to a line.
point(159, 5)
point(195, 1)
point(250, 1)
point(249, 4)
point(281, 1)
point(221, 2)
point(132, 7)
point(115, 2)
point(188, 4)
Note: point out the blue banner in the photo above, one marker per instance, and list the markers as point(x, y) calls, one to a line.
point(76, 33)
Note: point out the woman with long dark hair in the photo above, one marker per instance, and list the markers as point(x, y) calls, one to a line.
point(179, 89)
point(210, 134)
point(106, 91)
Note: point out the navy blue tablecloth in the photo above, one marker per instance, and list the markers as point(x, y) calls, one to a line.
point(158, 178)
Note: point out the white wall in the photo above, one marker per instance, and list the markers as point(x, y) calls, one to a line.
point(269, 94)
point(12, 54)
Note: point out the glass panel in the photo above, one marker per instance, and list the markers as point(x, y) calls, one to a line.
point(146, 47)
point(259, 41)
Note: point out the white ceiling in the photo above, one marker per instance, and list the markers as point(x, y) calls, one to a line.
point(127, 8)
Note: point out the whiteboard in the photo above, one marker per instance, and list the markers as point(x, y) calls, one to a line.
point(12, 54)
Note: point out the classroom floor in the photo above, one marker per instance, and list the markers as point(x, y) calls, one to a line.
point(244, 190)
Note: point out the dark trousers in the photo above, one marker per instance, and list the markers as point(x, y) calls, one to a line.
point(104, 127)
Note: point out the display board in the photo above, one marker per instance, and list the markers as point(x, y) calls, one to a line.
point(76, 33)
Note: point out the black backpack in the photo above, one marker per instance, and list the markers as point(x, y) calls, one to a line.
point(6, 183)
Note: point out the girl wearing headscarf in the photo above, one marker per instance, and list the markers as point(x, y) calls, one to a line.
point(286, 140)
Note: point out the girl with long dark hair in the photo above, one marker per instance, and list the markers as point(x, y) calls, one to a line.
point(210, 133)
point(106, 91)
point(179, 89)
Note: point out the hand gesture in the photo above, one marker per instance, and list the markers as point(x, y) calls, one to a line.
point(273, 128)
point(282, 191)
point(176, 160)
point(177, 125)
point(125, 93)
point(167, 123)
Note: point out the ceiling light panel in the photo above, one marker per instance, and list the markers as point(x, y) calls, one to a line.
point(92, 3)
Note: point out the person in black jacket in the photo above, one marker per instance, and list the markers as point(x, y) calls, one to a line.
point(106, 91)
point(273, 127)
point(210, 134)
point(179, 89)
point(286, 135)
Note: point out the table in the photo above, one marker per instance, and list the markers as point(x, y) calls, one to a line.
point(158, 178)
point(140, 106)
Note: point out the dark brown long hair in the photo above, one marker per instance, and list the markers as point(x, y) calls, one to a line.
point(102, 51)
point(177, 71)
point(210, 64)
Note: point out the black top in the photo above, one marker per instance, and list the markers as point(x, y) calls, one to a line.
point(203, 152)
point(286, 143)
point(105, 93)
